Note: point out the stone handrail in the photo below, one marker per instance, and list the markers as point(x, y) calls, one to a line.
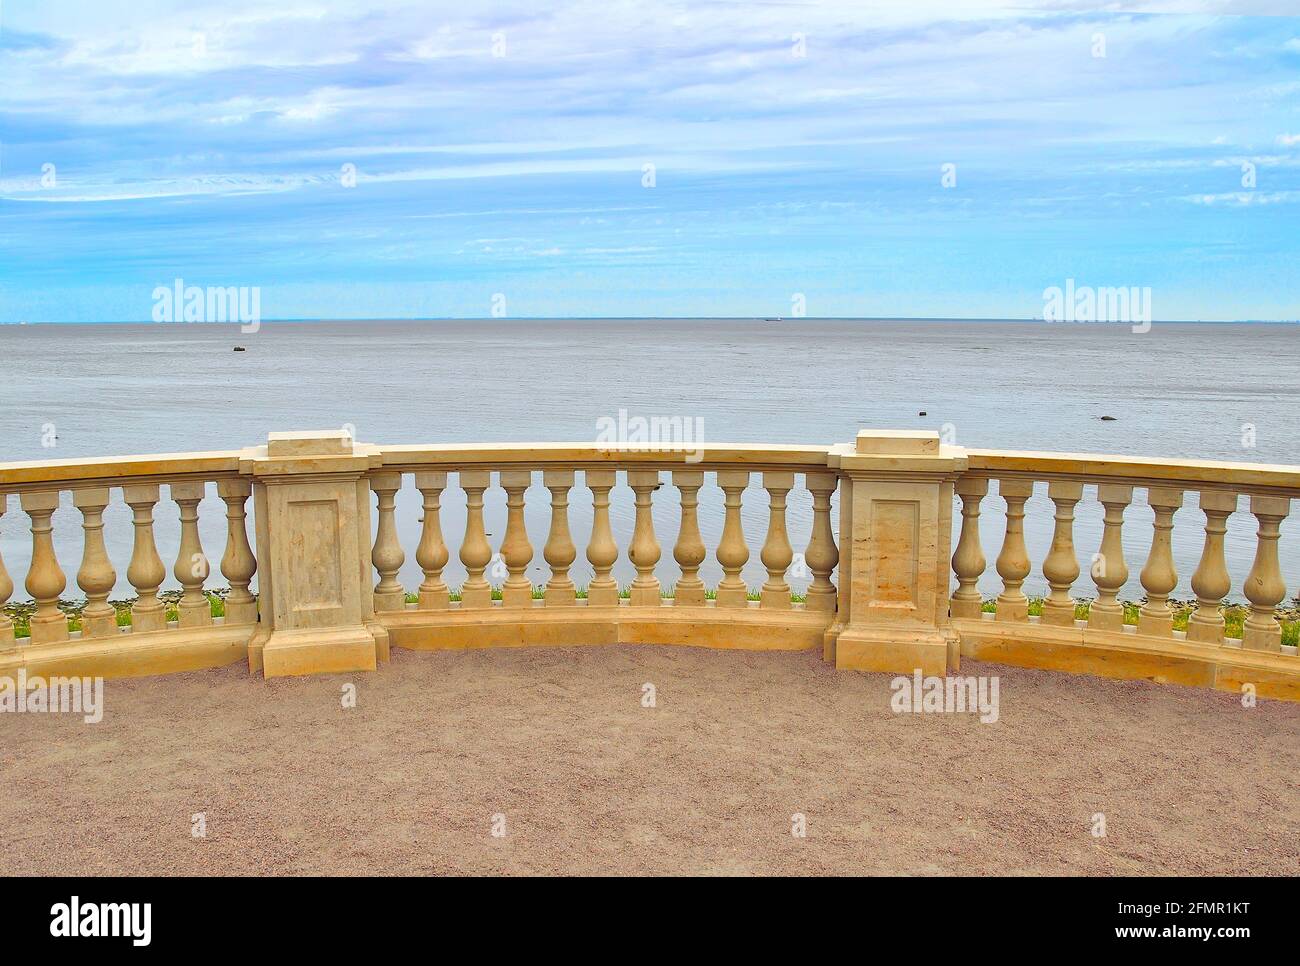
point(329, 596)
point(1093, 468)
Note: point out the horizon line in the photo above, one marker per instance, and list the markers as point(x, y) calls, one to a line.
point(667, 318)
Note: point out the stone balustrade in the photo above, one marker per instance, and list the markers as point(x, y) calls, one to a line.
point(1106, 640)
point(317, 587)
point(188, 637)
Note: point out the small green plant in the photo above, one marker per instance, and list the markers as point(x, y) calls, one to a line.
point(1234, 615)
point(1131, 611)
point(1291, 633)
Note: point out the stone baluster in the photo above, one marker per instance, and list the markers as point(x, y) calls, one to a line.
point(689, 551)
point(1159, 576)
point(475, 551)
point(968, 561)
point(644, 551)
point(6, 590)
point(1061, 565)
point(191, 568)
point(1013, 560)
point(732, 553)
point(145, 571)
point(1264, 586)
point(96, 577)
point(387, 555)
point(1212, 582)
point(516, 551)
point(1109, 571)
point(602, 551)
point(432, 554)
point(45, 579)
point(777, 554)
point(559, 552)
point(821, 554)
point(238, 563)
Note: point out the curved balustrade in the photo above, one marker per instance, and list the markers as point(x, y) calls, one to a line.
point(163, 636)
point(329, 557)
point(1098, 633)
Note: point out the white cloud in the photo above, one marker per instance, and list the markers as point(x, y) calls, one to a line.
point(1243, 199)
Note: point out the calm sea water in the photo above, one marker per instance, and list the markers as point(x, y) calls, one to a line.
point(1180, 390)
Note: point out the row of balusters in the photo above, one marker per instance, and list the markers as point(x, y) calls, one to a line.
point(644, 550)
point(1264, 586)
point(96, 578)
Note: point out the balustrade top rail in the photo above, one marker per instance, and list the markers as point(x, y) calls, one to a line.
point(1090, 467)
point(103, 471)
point(1248, 477)
point(706, 456)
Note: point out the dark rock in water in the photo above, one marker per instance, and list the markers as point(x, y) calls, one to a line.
point(921, 413)
point(1107, 419)
point(240, 348)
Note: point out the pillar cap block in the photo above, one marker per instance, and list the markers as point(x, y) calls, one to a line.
point(897, 442)
point(321, 442)
point(897, 451)
point(309, 452)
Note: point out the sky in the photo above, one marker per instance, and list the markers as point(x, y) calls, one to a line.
point(652, 159)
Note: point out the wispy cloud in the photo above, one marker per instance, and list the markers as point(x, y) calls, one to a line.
point(737, 148)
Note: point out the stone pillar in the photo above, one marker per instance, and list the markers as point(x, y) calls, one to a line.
point(312, 505)
point(894, 558)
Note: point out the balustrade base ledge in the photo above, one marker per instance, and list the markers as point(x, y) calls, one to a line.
point(749, 629)
point(133, 655)
point(896, 650)
point(1116, 654)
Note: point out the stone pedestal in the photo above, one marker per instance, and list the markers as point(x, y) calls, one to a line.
point(313, 555)
point(896, 537)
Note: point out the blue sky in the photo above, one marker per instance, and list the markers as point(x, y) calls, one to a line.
point(501, 148)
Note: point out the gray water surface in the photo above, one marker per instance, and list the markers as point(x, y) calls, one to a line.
point(1194, 391)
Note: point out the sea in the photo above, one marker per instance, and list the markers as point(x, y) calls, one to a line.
point(1181, 390)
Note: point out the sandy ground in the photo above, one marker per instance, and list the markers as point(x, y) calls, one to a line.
point(590, 781)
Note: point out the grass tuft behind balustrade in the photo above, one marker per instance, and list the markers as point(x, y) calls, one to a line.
point(1234, 615)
